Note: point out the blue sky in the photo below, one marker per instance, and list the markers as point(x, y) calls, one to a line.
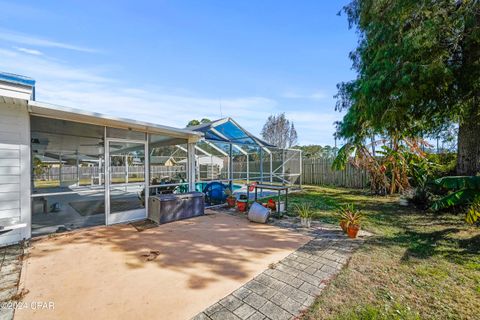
point(171, 61)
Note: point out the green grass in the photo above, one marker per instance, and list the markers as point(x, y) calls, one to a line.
point(417, 265)
point(370, 312)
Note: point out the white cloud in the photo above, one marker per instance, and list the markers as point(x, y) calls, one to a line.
point(314, 127)
point(42, 67)
point(90, 89)
point(29, 51)
point(315, 95)
point(24, 39)
point(59, 83)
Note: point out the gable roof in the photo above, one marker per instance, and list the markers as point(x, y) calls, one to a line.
point(229, 131)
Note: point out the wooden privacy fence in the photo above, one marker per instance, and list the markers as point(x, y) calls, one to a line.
point(319, 172)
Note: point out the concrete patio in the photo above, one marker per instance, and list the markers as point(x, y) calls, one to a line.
point(173, 271)
point(290, 286)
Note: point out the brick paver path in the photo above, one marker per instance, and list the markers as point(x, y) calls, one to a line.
point(291, 285)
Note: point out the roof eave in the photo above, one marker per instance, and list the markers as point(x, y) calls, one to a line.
point(65, 113)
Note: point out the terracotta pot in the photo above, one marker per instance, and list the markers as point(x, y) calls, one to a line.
point(242, 206)
point(271, 205)
point(231, 202)
point(343, 225)
point(352, 231)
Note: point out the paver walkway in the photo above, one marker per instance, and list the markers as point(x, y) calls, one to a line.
point(291, 285)
point(10, 267)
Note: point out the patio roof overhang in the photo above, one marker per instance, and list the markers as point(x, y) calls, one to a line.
point(64, 113)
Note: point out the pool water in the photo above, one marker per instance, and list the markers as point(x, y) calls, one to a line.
point(200, 186)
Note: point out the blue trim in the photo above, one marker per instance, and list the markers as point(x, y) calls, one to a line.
point(18, 79)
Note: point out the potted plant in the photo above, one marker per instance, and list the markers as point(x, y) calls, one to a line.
point(350, 219)
point(343, 211)
point(231, 199)
point(305, 213)
point(242, 203)
point(271, 205)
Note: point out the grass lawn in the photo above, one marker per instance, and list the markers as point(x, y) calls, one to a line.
point(416, 266)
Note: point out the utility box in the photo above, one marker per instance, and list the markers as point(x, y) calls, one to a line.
point(172, 207)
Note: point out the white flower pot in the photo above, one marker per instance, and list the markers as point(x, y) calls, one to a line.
point(306, 222)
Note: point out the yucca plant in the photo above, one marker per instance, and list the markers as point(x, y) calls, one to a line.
point(305, 213)
point(304, 210)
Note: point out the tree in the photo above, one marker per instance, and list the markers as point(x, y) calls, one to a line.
point(317, 151)
point(195, 122)
point(311, 151)
point(418, 70)
point(279, 131)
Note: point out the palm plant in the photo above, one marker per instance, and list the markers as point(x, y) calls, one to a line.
point(391, 168)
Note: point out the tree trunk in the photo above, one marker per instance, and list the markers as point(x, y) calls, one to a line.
point(468, 154)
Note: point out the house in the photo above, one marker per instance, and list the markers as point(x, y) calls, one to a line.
point(64, 168)
point(98, 164)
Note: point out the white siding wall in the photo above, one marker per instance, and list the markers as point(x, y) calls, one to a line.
point(15, 170)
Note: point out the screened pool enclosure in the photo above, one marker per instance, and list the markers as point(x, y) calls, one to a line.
point(230, 154)
point(85, 174)
point(65, 168)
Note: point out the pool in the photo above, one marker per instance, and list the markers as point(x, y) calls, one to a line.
point(200, 186)
point(239, 189)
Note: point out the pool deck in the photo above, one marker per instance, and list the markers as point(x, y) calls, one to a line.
point(173, 271)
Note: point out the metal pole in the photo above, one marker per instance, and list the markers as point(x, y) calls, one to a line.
point(211, 168)
point(271, 167)
point(100, 171)
point(78, 170)
point(261, 165)
point(60, 170)
point(126, 172)
point(230, 171)
point(301, 168)
point(191, 166)
point(228, 167)
point(248, 169)
point(146, 172)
